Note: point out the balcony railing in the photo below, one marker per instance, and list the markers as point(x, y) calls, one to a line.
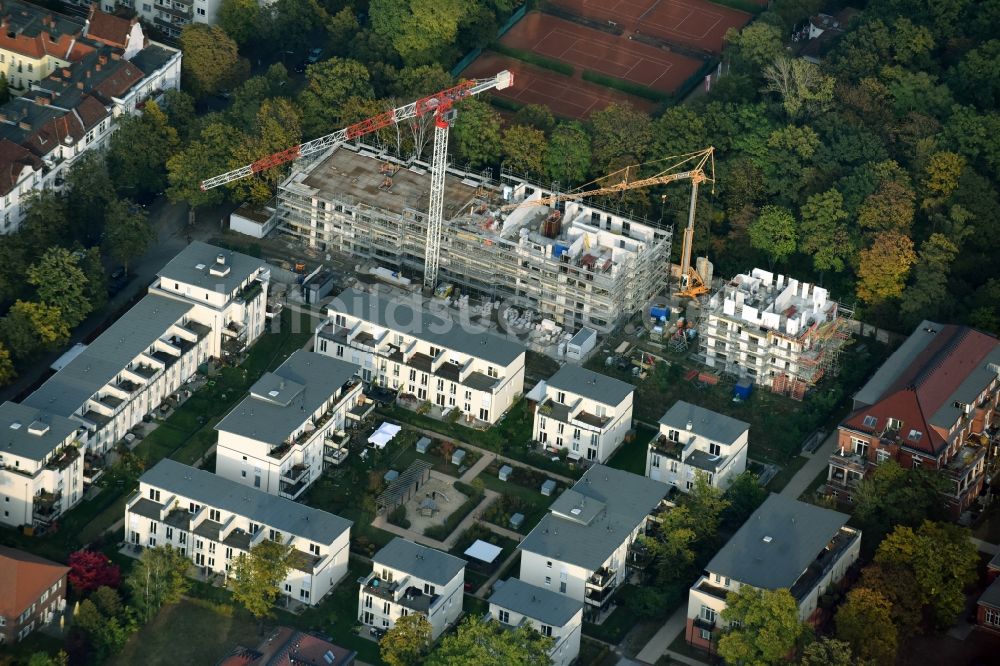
point(601, 578)
point(64, 458)
point(46, 506)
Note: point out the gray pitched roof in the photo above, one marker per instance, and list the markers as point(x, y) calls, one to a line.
point(589, 521)
point(281, 401)
point(193, 264)
point(798, 532)
point(897, 363)
point(19, 425)
point(546, 606)
point(133, 333)
point(991, 597)
point(212, 490)
point(704, 422)
point(419, 561)
point(590, 384)
point(407, 317)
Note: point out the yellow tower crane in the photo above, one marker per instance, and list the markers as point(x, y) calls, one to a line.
point(698, 167)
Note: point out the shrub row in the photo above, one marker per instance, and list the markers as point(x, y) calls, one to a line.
point(625, 86)
point(534, 59)
point(441, 532)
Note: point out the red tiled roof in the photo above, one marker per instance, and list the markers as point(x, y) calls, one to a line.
point(13, 159)
point(108, 28)
point(91, 111)
point(54, 132)
point(288, 647)
point(904, 406)
point(23, 578)
point(120, 82)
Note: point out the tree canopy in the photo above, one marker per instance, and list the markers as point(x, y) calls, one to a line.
point(764, 626)
point(477, 641)
point(255, 577)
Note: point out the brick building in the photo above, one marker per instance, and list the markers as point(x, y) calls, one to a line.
point(32, 592)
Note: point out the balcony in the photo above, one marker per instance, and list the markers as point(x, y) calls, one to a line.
point(668, 448)
point(93, 467)
point(334, 453)
point(293, 482)
point(127, 386)
point(145, 371)
point(63, 459)
point(382, 589)
point(640, 555)
point(250, 292)
point(824, 562)
point(601, 578)
point(46, 506)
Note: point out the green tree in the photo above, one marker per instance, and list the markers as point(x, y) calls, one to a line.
point(128, 234)
point(255, 576)
point(240, 19)
point(680, 130)
point(96, 287)
point(705, 503)
point(7, 372)
point(890, 208)
point(827, 652)
point(159, 578)
point(488, 644)
point(941, 178)
point(89, 189)
point(31, 327)
point(524, 149)
point(421, 31)
point(44, 659)
point(179, 107)
point(476, 134)
point(4, 89)
point(537, 116)
point(757, 45)
point(567, 160)
point(767, 627)
point(928, 293)
point(620, 136)
point(329, 85)
point(884, 267)
point(209, 155)
point(211, 58)
point(864, 621)
point(823, 233)
point(61, 283)
point(276, 128)
point(775, 233)
point(891, 495)
point(976, 76)
point(108, 601)
point(744, 495)
point(673, 550)
point(802, 87)
point(407, 642)
point(140, 174)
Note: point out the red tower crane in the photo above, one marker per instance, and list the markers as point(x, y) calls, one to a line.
point(441, 104)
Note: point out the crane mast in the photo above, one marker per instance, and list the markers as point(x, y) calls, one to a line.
point(441, 104)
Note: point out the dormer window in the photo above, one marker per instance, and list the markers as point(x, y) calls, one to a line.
point(915, 435)
point(871, 421)
point(894, 424)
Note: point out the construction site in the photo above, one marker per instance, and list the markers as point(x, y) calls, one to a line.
point(505, 240)
point(784, 334)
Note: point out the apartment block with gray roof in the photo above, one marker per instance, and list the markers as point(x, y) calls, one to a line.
point(41, 465)
point(228, 288)
point(212, 520)
point(515, 603)
point(694, 440)
point(410, 578)
point(584, 547)
point(291, 425)
point(582, 411)
point(426, 356)
point(785, 544)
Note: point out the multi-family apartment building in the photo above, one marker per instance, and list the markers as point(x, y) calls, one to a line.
point(582, 411)
point(784, 334)
point(213, 520)
point(206, 300)
point(32, 593)
point(575, 263)
point(582, 548)
point(785, 544)
point(693, 440)
point(277, 438)
point(932, 404)
point(409, 578)
point(515, 603)
point(72, 79)
point(41, 465)
point(401, 345)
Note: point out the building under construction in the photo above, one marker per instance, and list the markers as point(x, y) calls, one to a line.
point(574, 263)
point(783, 333)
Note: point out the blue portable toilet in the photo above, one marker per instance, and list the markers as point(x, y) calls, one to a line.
point(744, 388)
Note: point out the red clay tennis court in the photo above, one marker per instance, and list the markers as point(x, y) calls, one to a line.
point(566, 97)
point(590, 49)
point(694, 23)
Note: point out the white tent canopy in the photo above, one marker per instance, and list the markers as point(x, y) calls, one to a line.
point(483, 551)
point(384, 435)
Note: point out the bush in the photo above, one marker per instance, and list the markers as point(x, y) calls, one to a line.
point(534, 59)
point(625, 86)
point(441, 532)
point(398, 517)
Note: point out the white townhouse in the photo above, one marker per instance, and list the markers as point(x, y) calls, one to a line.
point(41, 465)
point(583, 546)
point(409, 578)
point(583, 411)
point(228, 290)
point(515, 603)
point(695, 440)
point(785, 544)
point(206, 300)
point(278, 437)
point(213, 520)
point(400, 345)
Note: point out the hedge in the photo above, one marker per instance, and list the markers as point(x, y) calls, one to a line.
point(534, 59)
point(441, 532)
point(742, 5)
point(625, 86)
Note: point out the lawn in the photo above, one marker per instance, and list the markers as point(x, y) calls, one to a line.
point(593, 653)
point(539, 366)
point(189, 633)
point(680, 646)
point(531, 503)
point(408, 453)
point(785, 474)
point(477, 572)
point(631, 456)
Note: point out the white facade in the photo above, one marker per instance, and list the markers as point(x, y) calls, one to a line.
point(582, 411)
point(253, 222)
point(426, 356)
point(41, 466)
point(409, 578)
point(693, 440)
point(213, 520)
point(516, 603)
point(276, 439)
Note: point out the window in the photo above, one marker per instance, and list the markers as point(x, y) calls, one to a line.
point(154, 495)
point(229, 553)
point(916, 462)
point(562, 587)
point(548, 580)
point(386, 608)
point(915, 435)
point(368, 600)
point(201, 12)
point(881, 455)
point(546, 630)
point(194, 508)
point(705, 634)
point(211, 547)
point(708, 614)
point(274, 535)
point(871, 421)
point(860, 446)
point(429, 589)
point(314, 549)
point(183, 537)
point(504, 616)
point(215, 514)
point(655, 462)
point(561, 397)
point(548, 564)
point(170, 533)
point(894, 424)
point(340, 351)
point(714, 449)
point(991, 616)
point(674, 436)
point(492, 372)
point(152, 527)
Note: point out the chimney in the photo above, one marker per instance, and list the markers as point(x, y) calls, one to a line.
point(103, 59)
point(79, 84)
point(115, 55)
point(88, 71)
point(66, 72)
point(24, 124)
point(97, 68)
point(42, 101)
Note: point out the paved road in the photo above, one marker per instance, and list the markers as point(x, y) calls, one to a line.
point(818, 461)
point(661, 640)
